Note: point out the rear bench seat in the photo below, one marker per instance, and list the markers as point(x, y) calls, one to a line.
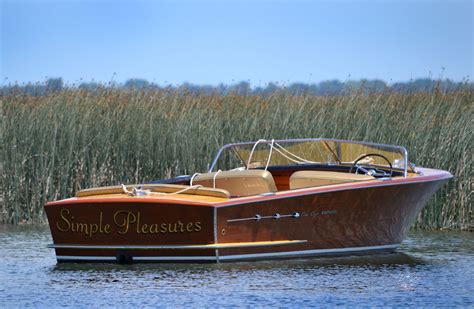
point(305, 179)
point(239, 183)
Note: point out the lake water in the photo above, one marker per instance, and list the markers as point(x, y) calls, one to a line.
point(430, 269)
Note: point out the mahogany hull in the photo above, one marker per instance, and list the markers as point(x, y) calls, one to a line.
point(336, 220)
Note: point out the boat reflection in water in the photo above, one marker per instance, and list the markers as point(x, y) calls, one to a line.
point(294, 198)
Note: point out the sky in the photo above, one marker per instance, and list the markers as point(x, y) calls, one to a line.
point(212, 42)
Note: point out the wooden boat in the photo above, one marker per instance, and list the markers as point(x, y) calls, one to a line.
point(288, 199)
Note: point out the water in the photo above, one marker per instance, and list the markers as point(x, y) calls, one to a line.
point(431, 269)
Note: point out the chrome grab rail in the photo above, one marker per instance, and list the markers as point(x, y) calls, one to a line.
point(401, 149)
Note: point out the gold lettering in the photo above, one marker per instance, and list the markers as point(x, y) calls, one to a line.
point(197, 226)
point(154, 228)
point(124, 224)
point(172, 230)
point(189, 227)
point(100, 223)
point(138, 223)
point(63, 217)
point(131, 218)
point(82, 227)
point(124, 221)
point(93, 229)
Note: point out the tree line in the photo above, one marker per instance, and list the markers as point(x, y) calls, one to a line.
point(324, 88)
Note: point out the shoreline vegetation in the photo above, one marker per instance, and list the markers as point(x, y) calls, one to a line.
point(61, 141)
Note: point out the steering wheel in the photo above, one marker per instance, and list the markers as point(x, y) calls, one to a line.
point(372, 171)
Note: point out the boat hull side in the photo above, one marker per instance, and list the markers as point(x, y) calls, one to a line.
point(357, 221)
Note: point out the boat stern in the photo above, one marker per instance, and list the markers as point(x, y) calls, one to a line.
point(130, 229)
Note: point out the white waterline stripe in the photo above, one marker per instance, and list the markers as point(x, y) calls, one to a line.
point(175, 258)
point(84, 258)
point(207, 246)
point(232, 257)
point(136, 258)
point(307, 252)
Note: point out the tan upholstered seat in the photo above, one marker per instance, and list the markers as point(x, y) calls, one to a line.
point(305, 179)
point(239, 183)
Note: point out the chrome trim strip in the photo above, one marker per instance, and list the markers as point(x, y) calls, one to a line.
point(164, 247)
point(232, 257)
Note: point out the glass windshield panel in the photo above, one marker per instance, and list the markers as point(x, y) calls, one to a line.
point(310, 151)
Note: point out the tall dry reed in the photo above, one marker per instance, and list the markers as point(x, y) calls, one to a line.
point(55, 145)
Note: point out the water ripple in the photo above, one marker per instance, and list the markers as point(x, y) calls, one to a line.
point(431, 269)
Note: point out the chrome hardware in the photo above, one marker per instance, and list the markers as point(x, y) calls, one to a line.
point(371, 172)
point(258, 217)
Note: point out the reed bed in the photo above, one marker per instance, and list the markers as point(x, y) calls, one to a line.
point(56, 144)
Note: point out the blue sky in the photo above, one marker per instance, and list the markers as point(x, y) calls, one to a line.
point(208, 42)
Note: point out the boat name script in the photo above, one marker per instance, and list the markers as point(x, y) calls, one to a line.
point(124, 221)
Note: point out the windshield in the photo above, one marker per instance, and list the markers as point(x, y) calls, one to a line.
point(265, 153)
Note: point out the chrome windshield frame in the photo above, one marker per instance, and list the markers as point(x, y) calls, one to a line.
point(401, 149)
